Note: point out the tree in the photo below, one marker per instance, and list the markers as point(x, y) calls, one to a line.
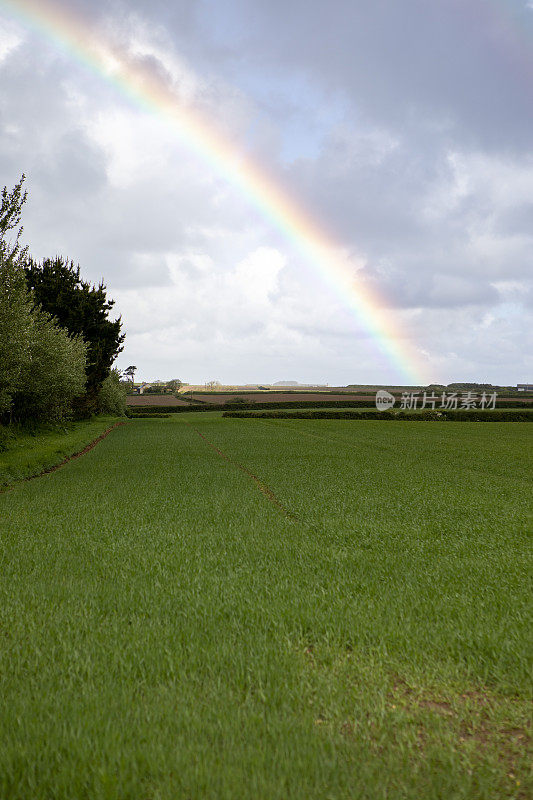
point(15, 327)
point(10, 217)
point(174, 384)
point(15, 300)
point(129, 372)
point(42, 368)
point(83, 310)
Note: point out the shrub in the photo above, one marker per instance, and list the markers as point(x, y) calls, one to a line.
point(54, 373)
point(112, 395)
point(6, 436)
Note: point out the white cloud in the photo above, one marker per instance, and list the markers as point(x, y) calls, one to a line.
point(11, 36)
point(256, 276)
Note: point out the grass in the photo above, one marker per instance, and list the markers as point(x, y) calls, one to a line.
point(169, 632)
point(31, 451)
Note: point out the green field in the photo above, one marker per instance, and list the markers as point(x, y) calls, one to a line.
point(227, 608)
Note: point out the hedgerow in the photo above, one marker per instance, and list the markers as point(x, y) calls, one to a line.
point(393, 416)
point(148, 416)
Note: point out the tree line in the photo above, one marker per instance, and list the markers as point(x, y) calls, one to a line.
point(57, 343)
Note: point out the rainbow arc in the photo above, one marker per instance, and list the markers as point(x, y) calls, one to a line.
point(151, 93)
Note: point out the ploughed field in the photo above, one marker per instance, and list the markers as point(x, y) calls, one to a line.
point(203, 607)
point(277, 397)
point(154, 400)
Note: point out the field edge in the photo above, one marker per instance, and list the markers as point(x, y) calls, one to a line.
point(33, 454)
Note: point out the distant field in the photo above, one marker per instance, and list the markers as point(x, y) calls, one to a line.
point(213, 608)
point(275, 397)
point(154, 400)
point(220, 398)
point(291, 397)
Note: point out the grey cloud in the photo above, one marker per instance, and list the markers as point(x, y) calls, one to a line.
point(517, 220)
point(441, 291)
point(457, 64)
point(74, 162)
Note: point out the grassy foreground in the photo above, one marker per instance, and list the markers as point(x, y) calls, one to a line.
point(352, 622)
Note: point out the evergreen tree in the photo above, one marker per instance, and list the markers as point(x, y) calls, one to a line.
point(83, 310)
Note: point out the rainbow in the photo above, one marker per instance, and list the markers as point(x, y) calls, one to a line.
point(151, 93)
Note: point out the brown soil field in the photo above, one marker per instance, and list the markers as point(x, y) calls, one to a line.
point(278, 397)
point(154, 400)
point(291, 397)
point(263, 397)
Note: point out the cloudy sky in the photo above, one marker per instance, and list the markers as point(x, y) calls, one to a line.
point(404, 129)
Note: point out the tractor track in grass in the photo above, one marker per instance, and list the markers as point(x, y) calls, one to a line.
point(263, 488)
point(65, 461)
